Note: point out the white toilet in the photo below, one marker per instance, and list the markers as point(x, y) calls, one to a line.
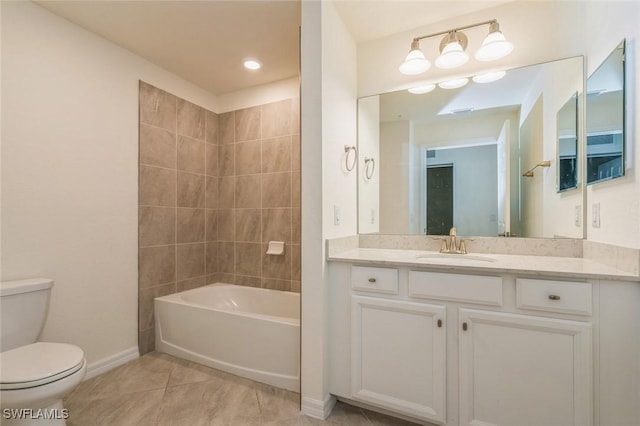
point(33, 375)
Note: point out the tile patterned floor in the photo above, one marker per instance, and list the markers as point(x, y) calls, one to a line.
point(158, 389)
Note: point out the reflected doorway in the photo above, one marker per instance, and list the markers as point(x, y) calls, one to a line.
point(439, 199)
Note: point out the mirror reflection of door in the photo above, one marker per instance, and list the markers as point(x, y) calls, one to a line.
point(439, 199)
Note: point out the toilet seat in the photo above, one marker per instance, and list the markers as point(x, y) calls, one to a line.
point(38, 364)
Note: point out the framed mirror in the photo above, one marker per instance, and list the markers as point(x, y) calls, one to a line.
point(477, 157)
point(567, 150)
point(606, 119)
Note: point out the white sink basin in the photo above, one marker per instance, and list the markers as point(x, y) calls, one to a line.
point(459, 258)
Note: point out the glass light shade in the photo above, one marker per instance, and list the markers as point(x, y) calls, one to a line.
point(453, 84)
point(489, 77)
point(252, 64)
point(419, 90)
point(452, 56)
point(415, 63)
point(494, 46)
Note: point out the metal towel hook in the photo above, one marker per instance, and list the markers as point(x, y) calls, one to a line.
point(347, 150)
point(368, 171)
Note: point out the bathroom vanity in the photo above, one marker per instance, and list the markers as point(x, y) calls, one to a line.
point(485, 339)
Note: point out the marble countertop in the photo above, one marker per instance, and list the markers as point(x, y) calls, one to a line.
point(571, 267)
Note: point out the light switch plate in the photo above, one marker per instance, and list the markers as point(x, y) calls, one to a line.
point(595, 215)
point(336, 214)
point(578, 215)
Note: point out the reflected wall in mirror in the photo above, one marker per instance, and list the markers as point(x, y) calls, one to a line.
point(568, 144)
point(456, 157)
point(606, 119)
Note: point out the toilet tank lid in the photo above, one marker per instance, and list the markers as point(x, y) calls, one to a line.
point(7, 288)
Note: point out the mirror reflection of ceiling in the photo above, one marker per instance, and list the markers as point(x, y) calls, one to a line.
point(471, 99)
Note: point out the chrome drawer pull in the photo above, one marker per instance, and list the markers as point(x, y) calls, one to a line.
point(372, 280)
point(554, 297)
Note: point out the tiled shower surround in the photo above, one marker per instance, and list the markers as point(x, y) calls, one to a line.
point(214, 189)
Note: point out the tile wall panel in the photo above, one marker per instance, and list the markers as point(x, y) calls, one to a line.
point(214, 190)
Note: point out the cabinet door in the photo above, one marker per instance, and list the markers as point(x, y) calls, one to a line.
point(524, 370)
point(398, 356)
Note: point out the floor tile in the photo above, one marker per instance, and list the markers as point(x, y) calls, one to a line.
point(140, 408)
point(158, 389)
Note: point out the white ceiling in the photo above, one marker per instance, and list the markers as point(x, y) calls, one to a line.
point(370, 20)
point(203, 42)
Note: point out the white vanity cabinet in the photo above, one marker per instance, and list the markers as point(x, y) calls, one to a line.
point(523, 370)
point(461, 349)
point(398, 356)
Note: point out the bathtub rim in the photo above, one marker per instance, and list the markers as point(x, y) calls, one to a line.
point(177, 298)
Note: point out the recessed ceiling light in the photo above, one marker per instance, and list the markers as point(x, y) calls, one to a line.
point(252, 64)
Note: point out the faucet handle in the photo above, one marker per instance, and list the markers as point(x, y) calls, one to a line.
point(463, 247)
point(444, 244)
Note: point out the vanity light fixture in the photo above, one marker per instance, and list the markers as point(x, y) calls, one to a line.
point(415, 62)
point(252, 64)
point(489, 77)
point(419, 90)
point(452, 54)
point(452, 49)
point(495, 45)
point(453, 84)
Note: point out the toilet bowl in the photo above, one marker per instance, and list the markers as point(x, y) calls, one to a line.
point(34, 377)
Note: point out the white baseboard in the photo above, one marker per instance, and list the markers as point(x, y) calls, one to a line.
point(316, 408)
point(109, 363)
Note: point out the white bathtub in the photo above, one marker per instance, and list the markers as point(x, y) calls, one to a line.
point(250, 332)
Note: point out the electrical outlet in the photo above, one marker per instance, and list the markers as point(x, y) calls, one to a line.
point(578, 215)
point(336, 214)
point(595, 215)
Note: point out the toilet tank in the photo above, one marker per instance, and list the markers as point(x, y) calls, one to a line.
point(24, 305)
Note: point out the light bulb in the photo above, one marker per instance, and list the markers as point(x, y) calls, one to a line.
point(415, 62)
point(453, 84)
point(252, 64)
point(489, 77)
point(494, 46)
point(419, 90)
point(452, 56)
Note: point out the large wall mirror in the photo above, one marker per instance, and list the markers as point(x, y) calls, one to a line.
point(606, 119)
point(482, 157)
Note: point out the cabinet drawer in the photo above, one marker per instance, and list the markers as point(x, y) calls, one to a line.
point(456, 287)
point(554, 296)
point(377, 280)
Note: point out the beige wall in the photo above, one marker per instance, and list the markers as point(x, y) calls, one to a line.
point(214, 189)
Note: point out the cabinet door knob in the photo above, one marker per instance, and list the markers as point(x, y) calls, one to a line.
point(464, 326)
point(554, 297)
point(439, 323)
point(372, 280)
